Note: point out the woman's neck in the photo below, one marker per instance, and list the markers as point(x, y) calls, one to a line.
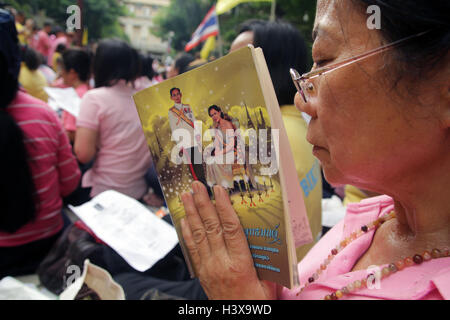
point(77, 83)
point(422, 206)
point(411, 232)
point(422, 220)
point(423, 226)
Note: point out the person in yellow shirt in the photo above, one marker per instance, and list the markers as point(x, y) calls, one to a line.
point(354, 194)
point(21, 30)
point(30, 31)
point(57, 58)
point(272, 37)
point(31, 79)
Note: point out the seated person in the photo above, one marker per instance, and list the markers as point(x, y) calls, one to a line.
point(180, 65)
point(75, 72)
point(109, 130)
point(38, 167)
point(31, 78)
point(380, 120)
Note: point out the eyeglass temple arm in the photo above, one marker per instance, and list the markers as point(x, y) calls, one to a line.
point(350, 60)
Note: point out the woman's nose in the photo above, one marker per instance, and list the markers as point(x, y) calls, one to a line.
point(304, 106)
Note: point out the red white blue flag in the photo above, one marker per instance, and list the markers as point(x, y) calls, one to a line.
point(209, 27)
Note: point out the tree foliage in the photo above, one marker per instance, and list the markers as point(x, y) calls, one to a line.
point(178, 21)
point(182, 17)
point(99, 16)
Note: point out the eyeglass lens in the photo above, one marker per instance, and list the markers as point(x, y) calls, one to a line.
point(300, 84)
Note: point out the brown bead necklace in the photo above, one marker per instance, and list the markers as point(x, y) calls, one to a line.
point(385, 272)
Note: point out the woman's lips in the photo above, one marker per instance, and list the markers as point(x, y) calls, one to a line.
point(317, 149)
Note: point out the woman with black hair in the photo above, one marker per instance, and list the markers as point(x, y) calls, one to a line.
point(180, 65)
point(75, 72)
point(109, 131)
point(283, 47)
point(146, 74)
point(220, 160)
point(37, 167)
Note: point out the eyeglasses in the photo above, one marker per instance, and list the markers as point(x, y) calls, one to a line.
point(305, 87)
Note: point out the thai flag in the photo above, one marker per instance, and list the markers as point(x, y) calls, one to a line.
point(209, 27)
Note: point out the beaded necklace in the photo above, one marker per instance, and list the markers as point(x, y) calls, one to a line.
point(385, 272)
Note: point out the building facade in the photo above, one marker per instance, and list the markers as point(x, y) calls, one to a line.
point(138, 25)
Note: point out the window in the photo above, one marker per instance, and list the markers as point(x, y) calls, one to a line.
point(136, 31)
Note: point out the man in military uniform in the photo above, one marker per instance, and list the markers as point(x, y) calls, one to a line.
point(182, 117)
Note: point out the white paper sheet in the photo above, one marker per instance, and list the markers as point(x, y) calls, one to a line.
point(13, 289)
point(127, 226)
point(66, 99)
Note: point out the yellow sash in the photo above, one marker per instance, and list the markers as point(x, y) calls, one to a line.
point(181, 116)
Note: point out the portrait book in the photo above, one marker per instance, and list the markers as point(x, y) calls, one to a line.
point(221, 124)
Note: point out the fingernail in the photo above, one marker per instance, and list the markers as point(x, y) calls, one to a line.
point(184, 196)
point(195, 187)
point(217, 190)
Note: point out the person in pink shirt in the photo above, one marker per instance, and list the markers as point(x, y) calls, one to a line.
point(38, 167)
point(44, 43)
point(145, 77)
point(109, 131)
point(60, 39)
point(378, 97)
point(76, 71)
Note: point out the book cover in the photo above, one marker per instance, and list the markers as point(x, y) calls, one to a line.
point(220, 124)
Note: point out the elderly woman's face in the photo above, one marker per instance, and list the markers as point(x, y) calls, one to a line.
point(361, 130)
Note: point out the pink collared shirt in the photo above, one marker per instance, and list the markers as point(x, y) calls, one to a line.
point(43, 43)
point(123, 157)
point(429, 280)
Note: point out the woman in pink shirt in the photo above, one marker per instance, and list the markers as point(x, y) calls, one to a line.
point(38, 167)
point(44, 42)
point(109, 131)
point(378, 97)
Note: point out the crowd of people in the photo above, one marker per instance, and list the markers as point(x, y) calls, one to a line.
point(55, 158)
point(371, 119)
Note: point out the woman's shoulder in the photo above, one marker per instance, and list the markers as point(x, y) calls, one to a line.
point(227, 124)
point(95, 92)
point(31, 113)
point(25, 102)
point(105, 95)
point(94, 95)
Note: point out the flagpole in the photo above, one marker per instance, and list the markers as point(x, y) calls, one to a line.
point(81, 30)
point(219, 38)
point(272, 10)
